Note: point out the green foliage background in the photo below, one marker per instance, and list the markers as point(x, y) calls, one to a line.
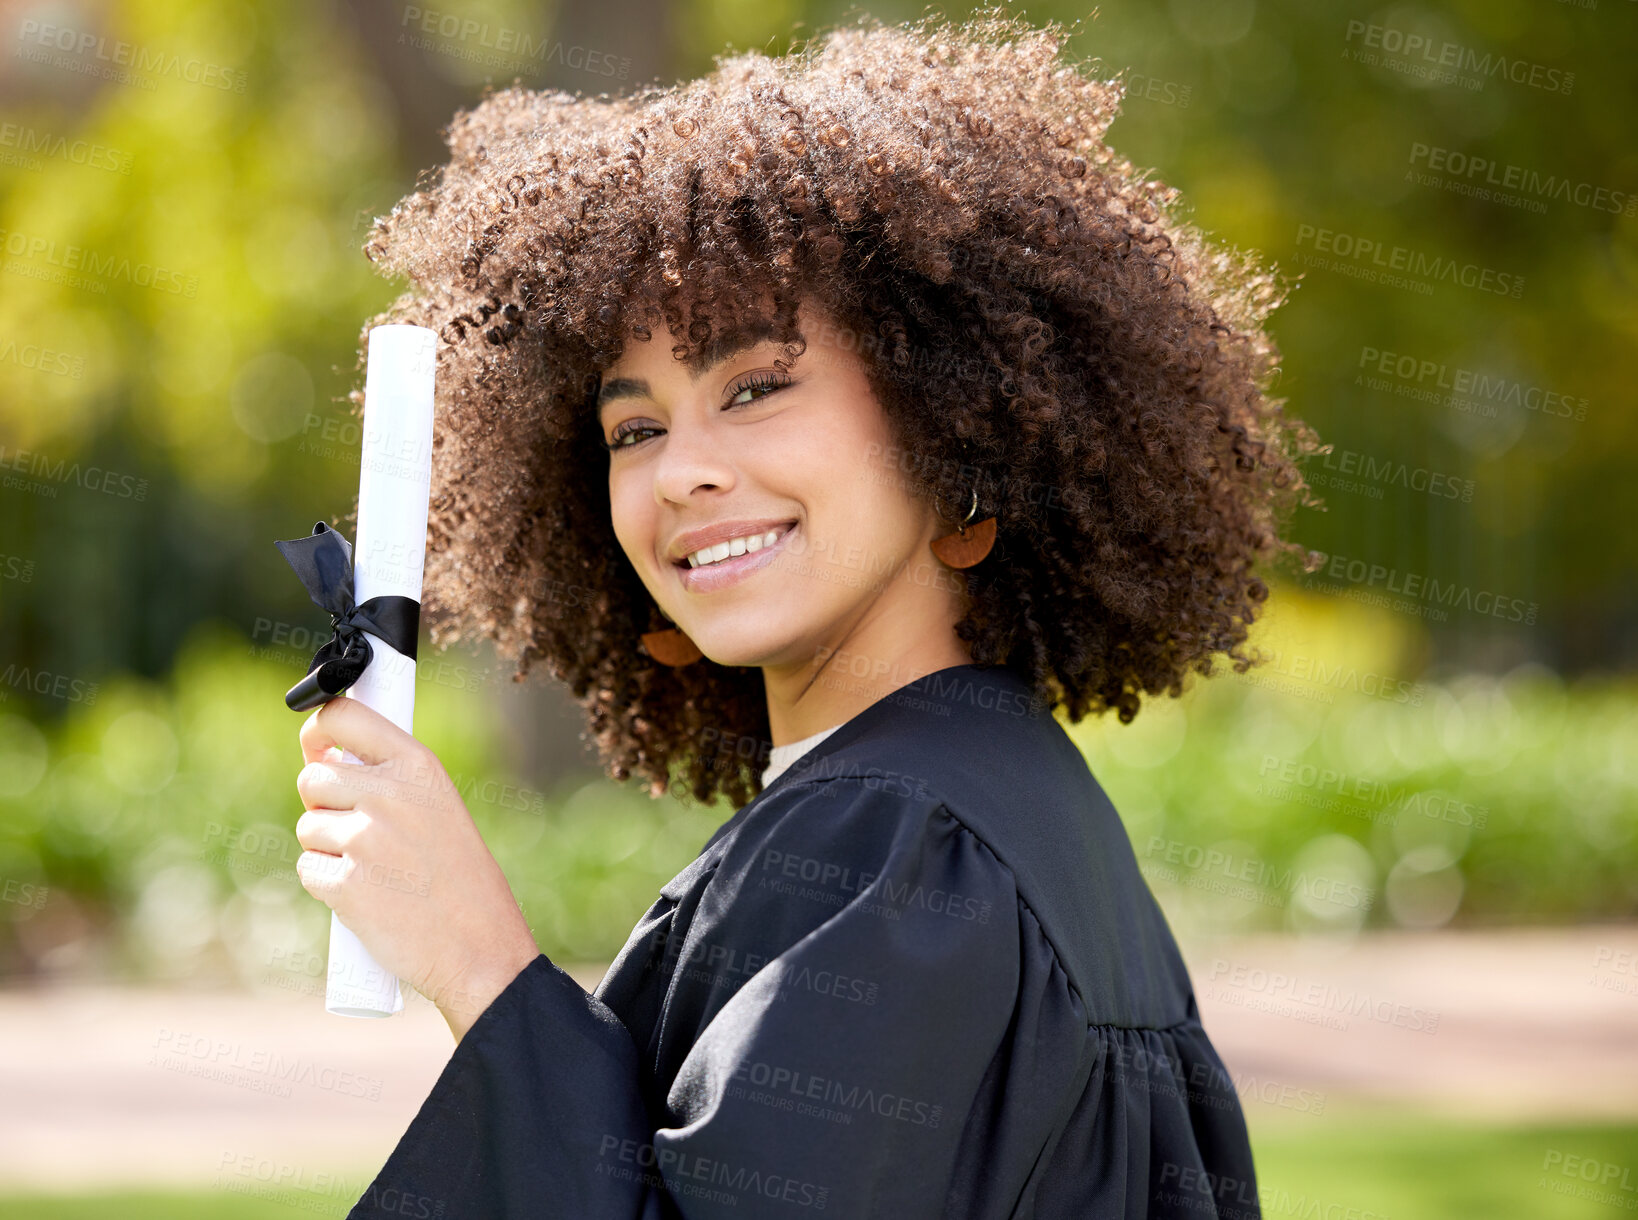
point(147, 763)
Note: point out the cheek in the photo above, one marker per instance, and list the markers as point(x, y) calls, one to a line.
point(632, 521)
point(859, 514)
point(846, 474)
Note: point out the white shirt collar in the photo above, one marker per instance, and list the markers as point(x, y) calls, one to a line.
point(781, 757)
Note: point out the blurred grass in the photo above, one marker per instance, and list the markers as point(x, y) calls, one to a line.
point(149, 833)
point(1391, 1166)
point(155, 1206)
point(1398, 1165)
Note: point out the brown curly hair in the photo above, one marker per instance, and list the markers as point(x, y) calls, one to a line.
point(1016, 291)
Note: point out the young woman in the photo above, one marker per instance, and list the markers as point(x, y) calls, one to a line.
point(826, 424)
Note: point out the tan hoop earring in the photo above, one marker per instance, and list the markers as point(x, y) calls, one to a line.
point(968, 545)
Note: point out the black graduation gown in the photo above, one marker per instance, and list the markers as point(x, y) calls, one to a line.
point(919, 976)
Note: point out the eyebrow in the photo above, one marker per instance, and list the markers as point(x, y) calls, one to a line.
point(724, 347)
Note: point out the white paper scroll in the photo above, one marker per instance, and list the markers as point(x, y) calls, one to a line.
point(395, 480)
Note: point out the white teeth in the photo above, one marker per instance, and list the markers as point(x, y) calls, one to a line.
point(735, 546)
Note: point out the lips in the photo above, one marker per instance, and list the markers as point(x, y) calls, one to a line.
point(708, 578)
point(684, 545)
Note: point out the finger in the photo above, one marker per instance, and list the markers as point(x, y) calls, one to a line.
point(334, 785)
point(327, 830)
point(348, 724)
point(322, 874)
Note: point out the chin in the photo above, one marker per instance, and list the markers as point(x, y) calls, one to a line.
point(757, 641)
point(720, 648)
point(777, 626)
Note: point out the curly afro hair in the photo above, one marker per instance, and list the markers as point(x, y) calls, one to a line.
point(1035, 323)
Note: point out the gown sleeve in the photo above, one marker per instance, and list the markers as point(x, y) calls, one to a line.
point(853, 970)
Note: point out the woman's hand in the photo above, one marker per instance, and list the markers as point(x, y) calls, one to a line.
point(391, 848)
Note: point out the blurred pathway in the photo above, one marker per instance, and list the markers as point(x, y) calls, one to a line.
point(267, 1093)
point(1505, 1026)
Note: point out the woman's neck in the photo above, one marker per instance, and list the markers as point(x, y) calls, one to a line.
point(840, 683)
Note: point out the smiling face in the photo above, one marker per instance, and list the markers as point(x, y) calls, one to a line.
point(791, 476)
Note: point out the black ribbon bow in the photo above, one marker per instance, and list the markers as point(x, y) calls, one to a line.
point(324, 562)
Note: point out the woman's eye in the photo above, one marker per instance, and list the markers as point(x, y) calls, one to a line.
point(762, 381)
point(759, 382)
point(621, 437)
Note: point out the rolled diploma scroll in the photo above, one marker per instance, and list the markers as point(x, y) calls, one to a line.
point(395, 479)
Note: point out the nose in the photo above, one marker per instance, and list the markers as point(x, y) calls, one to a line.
point(692, 459)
